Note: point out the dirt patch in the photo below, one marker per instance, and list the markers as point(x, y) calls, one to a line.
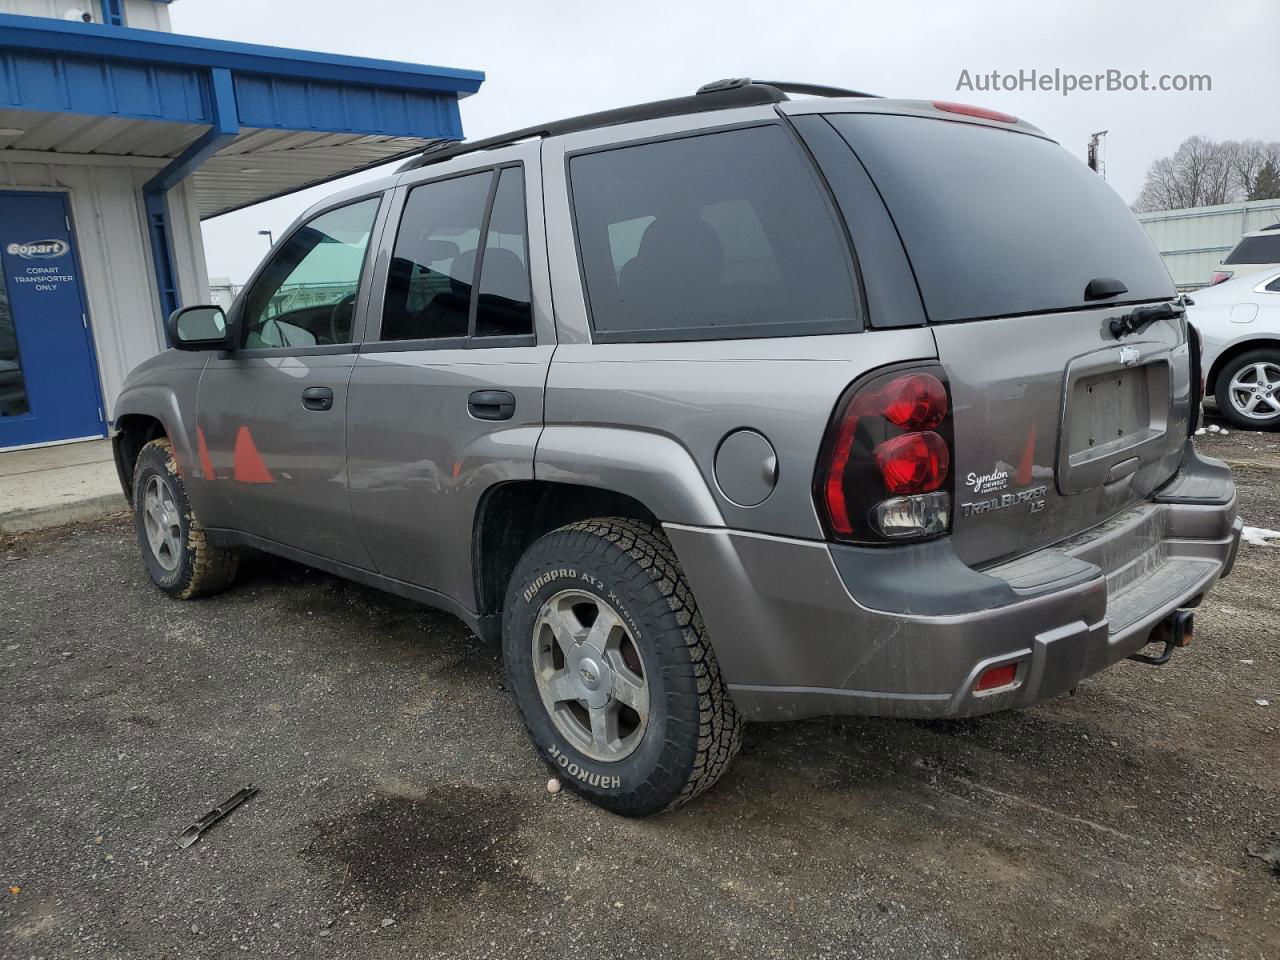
point(430, 851)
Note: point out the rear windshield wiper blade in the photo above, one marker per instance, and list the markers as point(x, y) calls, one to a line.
point(1142, 317)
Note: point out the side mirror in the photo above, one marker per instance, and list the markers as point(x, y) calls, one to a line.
point(199, 328)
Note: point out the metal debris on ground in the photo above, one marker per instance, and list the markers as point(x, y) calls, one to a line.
point(193, 832)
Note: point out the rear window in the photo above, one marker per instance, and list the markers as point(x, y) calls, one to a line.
point(998, 223)
point(1256, 250)
point(710, 236)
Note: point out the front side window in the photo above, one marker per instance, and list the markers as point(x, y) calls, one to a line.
point(438, 254)
point(306, 294)
point(707, 236)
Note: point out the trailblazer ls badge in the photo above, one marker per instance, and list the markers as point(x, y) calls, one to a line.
point(994, 481)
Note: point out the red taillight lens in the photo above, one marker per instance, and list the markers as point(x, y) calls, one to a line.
point(997, 677)
point(916, 401)
point(966, 110)
point(913, 462)
point(886, 457)
point(1219, 276)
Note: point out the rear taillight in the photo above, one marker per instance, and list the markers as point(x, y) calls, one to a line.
point(884, 473)
point(1219, 276)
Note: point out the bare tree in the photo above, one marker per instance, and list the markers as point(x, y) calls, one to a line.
point(1203, 172)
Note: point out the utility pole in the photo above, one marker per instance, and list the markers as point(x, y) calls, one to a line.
point(1097, 165)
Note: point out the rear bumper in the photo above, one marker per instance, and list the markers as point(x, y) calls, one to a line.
point(806, 629)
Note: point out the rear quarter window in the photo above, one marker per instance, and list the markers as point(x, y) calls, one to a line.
point(998, 223)
point(708, 236)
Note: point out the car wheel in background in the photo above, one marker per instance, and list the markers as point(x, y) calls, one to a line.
point(1248, 390)
point(174, 547)
point(612, 670)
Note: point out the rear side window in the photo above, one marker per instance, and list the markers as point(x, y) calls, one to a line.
point(998, 223)
point(439, 261)
point(503, 308)
point(710, 236)
point(1256, 250)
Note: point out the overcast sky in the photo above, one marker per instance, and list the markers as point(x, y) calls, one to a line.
point(549, 60)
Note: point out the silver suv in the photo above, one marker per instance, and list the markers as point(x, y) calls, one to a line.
point(729, 407)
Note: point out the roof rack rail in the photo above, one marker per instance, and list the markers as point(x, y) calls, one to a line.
point(815, 89)
point(741, 94)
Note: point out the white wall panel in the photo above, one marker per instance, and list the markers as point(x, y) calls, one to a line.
point(143, 14)
point(1194, 241)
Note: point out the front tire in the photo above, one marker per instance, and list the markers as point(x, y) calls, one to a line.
point(612, 670)
point(174, 547)
point(1248, 390)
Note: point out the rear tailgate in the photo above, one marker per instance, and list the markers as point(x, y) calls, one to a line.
point(1059, 423)
point(1057, 430)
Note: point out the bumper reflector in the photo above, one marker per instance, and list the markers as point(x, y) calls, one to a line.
point(1000, 676)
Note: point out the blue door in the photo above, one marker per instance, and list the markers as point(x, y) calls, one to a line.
point(48, 377)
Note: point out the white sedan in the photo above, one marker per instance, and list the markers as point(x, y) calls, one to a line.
point(1239, 324)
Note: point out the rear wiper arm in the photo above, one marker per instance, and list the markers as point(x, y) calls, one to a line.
point(1142, 317)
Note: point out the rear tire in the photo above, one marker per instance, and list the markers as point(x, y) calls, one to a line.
point(1252, 378)
point(175, 550)
point(612, 669)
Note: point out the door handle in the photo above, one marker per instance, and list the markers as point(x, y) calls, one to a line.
point(492, 405)
point(317, 398)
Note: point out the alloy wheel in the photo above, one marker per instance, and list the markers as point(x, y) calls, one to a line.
point(161, 521)
point(590, 675)
point(1255, 390)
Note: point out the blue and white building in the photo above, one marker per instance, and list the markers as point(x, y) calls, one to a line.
point(117, 137)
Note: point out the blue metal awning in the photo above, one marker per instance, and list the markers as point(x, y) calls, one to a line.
point(246, 122)
point(293, 117)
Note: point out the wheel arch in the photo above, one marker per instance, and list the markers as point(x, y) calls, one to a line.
point(511, 516)
point(1231, 353)
point(133, 431)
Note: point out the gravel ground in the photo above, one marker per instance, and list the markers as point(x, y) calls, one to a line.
point(403, 814)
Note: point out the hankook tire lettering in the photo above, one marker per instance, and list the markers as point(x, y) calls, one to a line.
point(609, 782)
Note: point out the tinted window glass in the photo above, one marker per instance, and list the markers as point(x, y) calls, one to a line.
point(1256, 250)
point(305, 296)
point(716, 235)
point(999, 223)
point(503, 303)
point(1274, 285)
point(434, 261)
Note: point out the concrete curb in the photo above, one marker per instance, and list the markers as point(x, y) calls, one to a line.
point(58, 514)
point(1252, 464)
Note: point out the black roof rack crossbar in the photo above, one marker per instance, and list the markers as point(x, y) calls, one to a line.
point(746, 95)
point(717, 95)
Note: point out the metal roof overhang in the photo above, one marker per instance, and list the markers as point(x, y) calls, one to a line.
point(247, 122)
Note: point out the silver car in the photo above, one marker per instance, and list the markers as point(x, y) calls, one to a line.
point(1239, 325)
point(722, 408)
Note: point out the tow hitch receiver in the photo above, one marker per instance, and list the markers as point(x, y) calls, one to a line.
point(1173, 631)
